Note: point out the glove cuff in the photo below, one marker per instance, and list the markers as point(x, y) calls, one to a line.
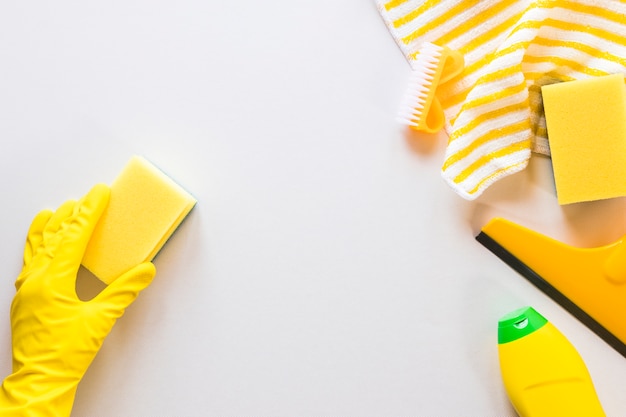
point(27, 393)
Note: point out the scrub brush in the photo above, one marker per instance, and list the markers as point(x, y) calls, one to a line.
point(434, 65)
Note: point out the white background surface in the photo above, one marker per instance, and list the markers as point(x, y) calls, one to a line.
point(327, 269)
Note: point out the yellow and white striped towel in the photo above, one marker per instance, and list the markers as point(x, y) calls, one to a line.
point(511, 48)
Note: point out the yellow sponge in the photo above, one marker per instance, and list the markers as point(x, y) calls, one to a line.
point(586, 121)
point(145, 208)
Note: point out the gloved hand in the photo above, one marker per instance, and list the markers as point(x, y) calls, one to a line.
point(56, 335)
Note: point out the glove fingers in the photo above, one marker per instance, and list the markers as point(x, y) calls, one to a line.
point(78, 226)
point(52, 228)
point(124, 290)
point(34, 239)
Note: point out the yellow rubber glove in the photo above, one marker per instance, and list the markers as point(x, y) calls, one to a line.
point(56, 335)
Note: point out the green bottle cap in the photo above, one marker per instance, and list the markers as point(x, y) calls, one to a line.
point(519, 323)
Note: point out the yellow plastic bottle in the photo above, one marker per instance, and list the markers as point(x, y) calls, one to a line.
point(543, 373)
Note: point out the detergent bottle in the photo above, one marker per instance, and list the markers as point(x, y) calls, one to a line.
point(543, 374)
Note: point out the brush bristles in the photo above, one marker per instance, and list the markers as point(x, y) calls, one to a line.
point(420, 83)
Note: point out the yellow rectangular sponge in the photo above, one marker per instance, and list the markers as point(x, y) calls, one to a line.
point(145, 208)
point(586, 121)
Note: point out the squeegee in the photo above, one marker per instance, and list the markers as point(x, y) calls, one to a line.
point(590, 283)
